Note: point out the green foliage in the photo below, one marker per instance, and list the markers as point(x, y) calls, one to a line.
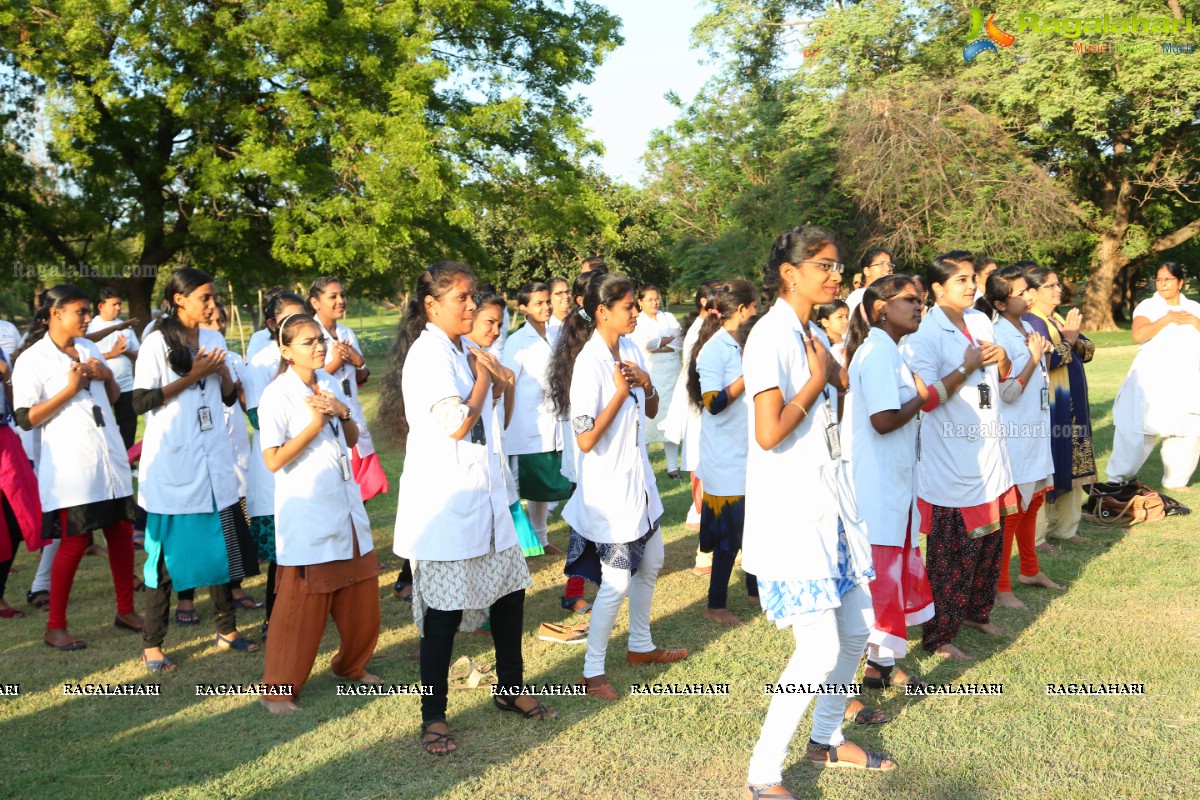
point(1084, 162)
point(283, 137)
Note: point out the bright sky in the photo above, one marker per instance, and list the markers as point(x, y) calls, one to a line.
point(627, 97)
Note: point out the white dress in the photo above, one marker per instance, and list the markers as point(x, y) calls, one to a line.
point(664, 367)
point(1161, 393)
point(683, 421)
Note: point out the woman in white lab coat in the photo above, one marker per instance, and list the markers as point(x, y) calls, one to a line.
point(326, 557)
point(533, 437)
point(964, 480)
point(812, 572)
point(599, 380)
point(196, 533)
point(345, 362)
point(1161, 394)
point(63, 387)
point(452, 515)
point(878, 481)
point(261, 370)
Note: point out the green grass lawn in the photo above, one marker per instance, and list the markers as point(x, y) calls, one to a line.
point(1128, 616)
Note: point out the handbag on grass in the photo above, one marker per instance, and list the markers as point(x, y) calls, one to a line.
point(1124, 503)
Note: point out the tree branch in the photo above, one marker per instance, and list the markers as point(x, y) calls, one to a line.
point(1176, 238)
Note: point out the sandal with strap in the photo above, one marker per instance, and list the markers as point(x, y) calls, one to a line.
point(759, 792)
point(247, 603)
point(163, 664)
point(537, 712)
point(468, 674)
point(186, 616)
point(445, 739)
point(860, 713)
point(825, 755)
point(884, 681)
point(39, 599)
point(239, 643)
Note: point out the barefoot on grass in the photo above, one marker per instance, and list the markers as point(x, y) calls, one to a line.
point(722, 615)
point(1009, 600)
point(989, 628)
point(952, 653)
point(278, 706)
point(1041, 579)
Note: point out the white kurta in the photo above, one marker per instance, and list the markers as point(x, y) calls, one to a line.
point(319, 511)
point(964, 459)
point(878, 478)
point(348, 385)
point(452, 498)
point(183, 468)
point(616, 498)
point(663, 367)
point(79, 462)
point(1161, 394)
point(1026, 423)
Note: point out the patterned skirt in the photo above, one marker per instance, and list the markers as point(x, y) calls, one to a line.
point(470, 585)
point(585, 557)
point(262, 530)
point(783, 601)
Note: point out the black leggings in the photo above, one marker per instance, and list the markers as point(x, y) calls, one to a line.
point(718, 579)
point(437, 648)
point(14, 536)
point(158, 608)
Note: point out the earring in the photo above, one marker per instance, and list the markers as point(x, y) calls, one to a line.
point(883, 318)
point(792, 287)
point(939, 294)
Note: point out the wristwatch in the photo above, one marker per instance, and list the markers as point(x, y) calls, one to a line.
point(961, 370)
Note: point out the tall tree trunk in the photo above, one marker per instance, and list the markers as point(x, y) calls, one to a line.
point(1097, 300)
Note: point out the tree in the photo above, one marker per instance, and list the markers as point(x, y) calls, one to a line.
point(281, 137)
point(1087, 162)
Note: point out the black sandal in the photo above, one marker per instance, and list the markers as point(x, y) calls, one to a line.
point(874, 760)
point(884, 681)
point(864, 715)
point(39, 599)
point(537, 712)
point(445, 739)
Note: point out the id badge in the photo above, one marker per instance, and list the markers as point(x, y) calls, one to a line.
point(985, 396)
point(833, 441)
point(345, 464)
point(1045, 399)
point(98, 415)
point(346, 386)
point(477, 433)
point(205, 418)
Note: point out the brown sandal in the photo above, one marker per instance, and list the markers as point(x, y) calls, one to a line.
point(860, 713)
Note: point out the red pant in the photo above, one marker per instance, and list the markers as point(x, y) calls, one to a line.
point(119, 536)
point(1023, 527)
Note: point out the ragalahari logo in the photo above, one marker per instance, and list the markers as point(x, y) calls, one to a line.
point(979, 42)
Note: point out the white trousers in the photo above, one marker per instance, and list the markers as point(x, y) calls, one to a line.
point(1180, 454)
point(41, 580)
point(829, 645)
point(615, 584)
point(1062, 517)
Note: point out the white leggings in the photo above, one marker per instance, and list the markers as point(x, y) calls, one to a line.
point(615, 584)
point(1131, 448)
point(829, 645)
point(41, 580)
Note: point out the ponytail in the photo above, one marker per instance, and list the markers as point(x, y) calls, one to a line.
point(602, 289)
point(726, 300)
point(863, 318)
point(54, 297)
point(433, 282)
point(179, 352)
